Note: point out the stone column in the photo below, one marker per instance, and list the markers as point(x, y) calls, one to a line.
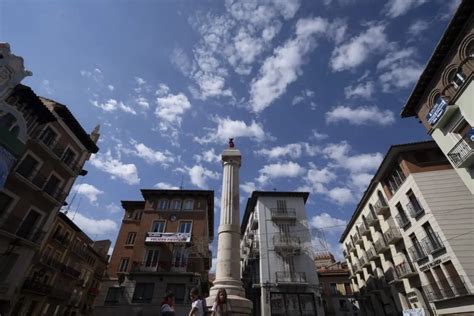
point(228, 244)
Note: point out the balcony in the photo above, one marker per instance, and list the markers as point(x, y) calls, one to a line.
point(17, 226)
point(416, 211)
point(38, 180)
point(161, 266)
point(371, 254)
point(417, 253)
point(372, 219)
point(364, 261)
point(349, 246)
point(36, 287)
point(446, 289)
point(61, 239)
point(381, 246)
point(364, 230)
point(433, 243)
point(286, 277)
point(283, 214)
point(60, 294)
point(403, 221)
point(391, 276)
point(462, 154)
point(70, 271)
point(356, 238)
point(345, 253)
point(287, 244)
point(58, 151)
point(392, 236)
point(357, 268)
point(381, 208)
point(404, 270)
point(254, 221)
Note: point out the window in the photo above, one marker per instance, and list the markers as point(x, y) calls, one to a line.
point(48, 136)
point(402, 217)
point(123, 265)
point(163, 204)
point(281, 205)
point(433, 242)
point(179, 291)
point(188, 205)
point(69, 157)
point(342, 304)
point(5, 202)
point(333, 288)
point(151, 258)
point(176, 204)
point(185, 227)
point(6, 264)
point(158, 227)
point(347, 287)
point(131, 238)
point(137, 215)
point(180, 257)
point(29, 225)
point(113, 296)
point(395, 180)
point(28, 167)
point(143, 293)
point(414, 206)
point(52, 186)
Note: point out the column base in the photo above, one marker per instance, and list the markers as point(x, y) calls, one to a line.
point(238, 305)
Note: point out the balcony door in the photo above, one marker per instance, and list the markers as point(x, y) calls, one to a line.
point(151, 259)
point(28, 226)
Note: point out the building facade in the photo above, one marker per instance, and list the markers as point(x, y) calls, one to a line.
point(277, 263)
point(37, 180)
point(443, 98)
point(407, 242)
point(337, 295)
point(163, 245)
point(65, 277)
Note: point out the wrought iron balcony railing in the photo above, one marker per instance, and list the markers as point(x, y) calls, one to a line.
point(392, 235)
point(291, 277)
point(371, 254)
point(372, 219)
point(287, 213)
point(446, 289)
point(417, 252)
point(402, 221)
point(381, 246)
point(433, 243)
point(415, 210)
point(382, 208)
point(363, 229)
point(462, 154)
point(281, 243)
point(405, 270)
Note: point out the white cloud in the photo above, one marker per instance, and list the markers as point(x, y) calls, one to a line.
point(323, 176)
point(361, 180)
point(151, 156)
point(88, 190)
point(228, 128)
point(172, 107)
point(339, 153)
point(399, 70)
point(113, 105)
point(248, 187)
point(279, 170)
point(318, 136)
point(341, 196)
point(328, 223)
point(199, 176)
point(284, 66)
point(364, 91)
point(143, 102)
point(395, 8)
point(165, 186)
point(106, 163)
point(360, 115)
point(207, 156)
point(140, 81)
point(110, 87)
point(417, 27)
point(93, 226)
point(46, 84)
point(294, 150)
point(113, 208)
point(356, 50)
point(304, 95)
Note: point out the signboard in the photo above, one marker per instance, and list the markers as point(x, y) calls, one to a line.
point(168, 237)
point(437, 111)
point(7, 160)
point(471, 134)
point(414, 312)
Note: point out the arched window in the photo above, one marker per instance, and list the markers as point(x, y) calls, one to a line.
point(456, 77)
point(7, 121)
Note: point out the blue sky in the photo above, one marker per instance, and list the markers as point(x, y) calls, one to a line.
point(311, 90)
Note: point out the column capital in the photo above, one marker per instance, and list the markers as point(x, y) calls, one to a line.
point(232, 156)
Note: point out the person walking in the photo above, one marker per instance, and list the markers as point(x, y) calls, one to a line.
point(167, 306)
point(197, 306)
point(221, 306)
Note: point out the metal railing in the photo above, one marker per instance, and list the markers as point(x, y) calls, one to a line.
point(392, 235)
point(291, 277)
point(356, 237)
point(286, 242)
point(403, 221)
point(446, 289)
point(37, 286)
point(15, 225)
point(381, 207)
point(462, 152)
point(363, 229)
point(363, 260)
point(404, 269)
point(415, 211)
point(59, 150)
point(433, 243)
point(417, 252)
point(287, 213)
point(61, 239)
point(381, 245)
point(372, 219)
point(371, 254)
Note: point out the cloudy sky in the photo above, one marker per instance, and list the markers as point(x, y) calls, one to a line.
point(311, 90)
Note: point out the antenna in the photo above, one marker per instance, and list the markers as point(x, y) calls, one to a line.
point(78, 204)
point(181, 185)
point(73, 196)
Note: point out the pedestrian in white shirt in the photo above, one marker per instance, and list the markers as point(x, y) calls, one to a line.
point(197, 306)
